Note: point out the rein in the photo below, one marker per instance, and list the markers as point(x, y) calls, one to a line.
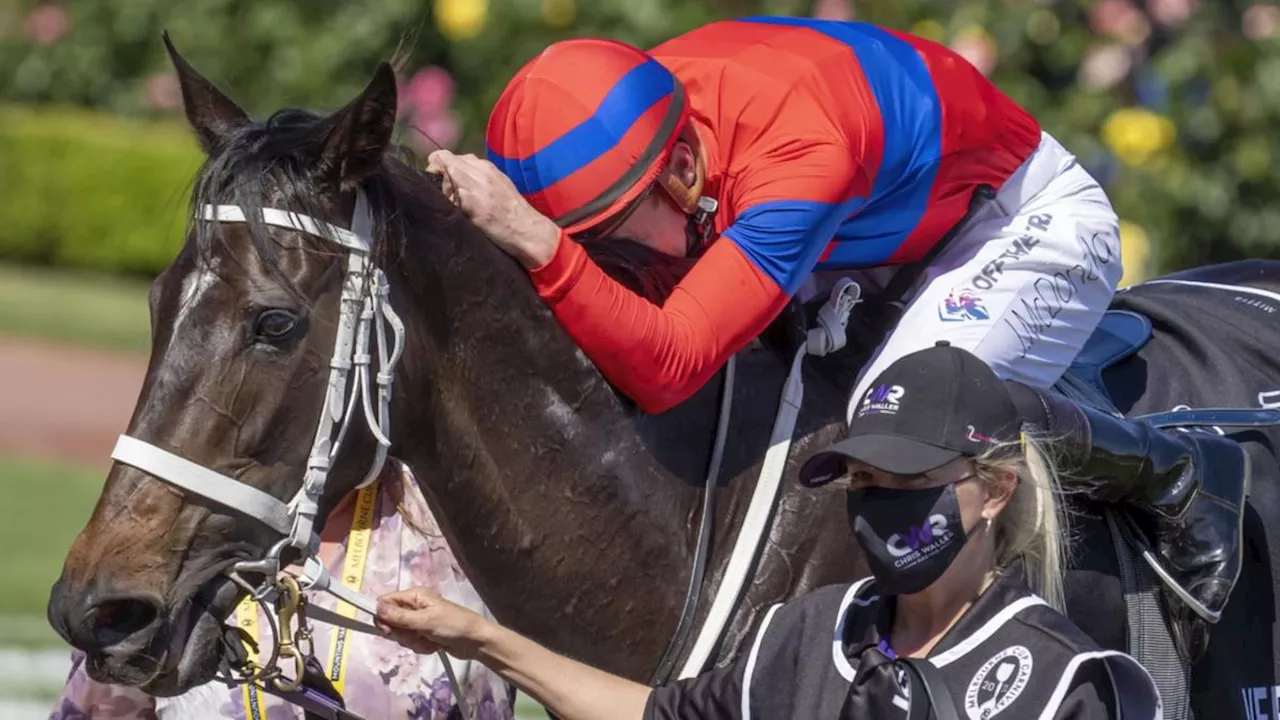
point(365, 310)
point(706, 528)
point(829, 334)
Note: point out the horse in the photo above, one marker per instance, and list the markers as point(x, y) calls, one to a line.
point(575, 515)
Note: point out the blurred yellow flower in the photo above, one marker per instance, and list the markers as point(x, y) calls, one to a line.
point(1135, 253)
point(1136, 135)
point(558, 13)
point(929, 29)
point(461, 19)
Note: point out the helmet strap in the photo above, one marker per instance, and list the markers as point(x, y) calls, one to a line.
point(701, 210)
point(686, 196)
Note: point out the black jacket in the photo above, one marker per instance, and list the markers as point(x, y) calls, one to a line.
point(819, 657)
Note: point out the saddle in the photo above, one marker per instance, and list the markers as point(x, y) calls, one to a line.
point(1119, 335)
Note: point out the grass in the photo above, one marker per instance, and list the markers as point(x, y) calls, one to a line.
point(46, 504)
point(85, 308)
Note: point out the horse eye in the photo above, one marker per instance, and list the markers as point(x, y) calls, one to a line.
point(276, 324)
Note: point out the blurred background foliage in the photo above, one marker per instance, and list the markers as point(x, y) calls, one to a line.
point(1172, 104)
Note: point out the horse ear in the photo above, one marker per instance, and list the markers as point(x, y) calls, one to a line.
point(211, 114)
point(360, 133)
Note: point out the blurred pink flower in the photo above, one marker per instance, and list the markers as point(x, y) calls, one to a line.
point(1260, 21)
point(424, 104)
point(430, 90)
point(1104, 66)
point(438, 130)
point(1108, 17)
point(1119, 19)
point(1171, 13)
point(47, 24)
point(833, 10)
point(161, 91)
point(977, 46)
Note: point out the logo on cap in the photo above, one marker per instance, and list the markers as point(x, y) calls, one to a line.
point(882, 400)
point(975, 436)
point(963, 304)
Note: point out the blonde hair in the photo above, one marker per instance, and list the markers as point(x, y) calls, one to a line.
point(1034, 525)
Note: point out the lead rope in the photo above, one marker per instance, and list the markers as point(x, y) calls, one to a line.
point(706, 529)
point(318, 578)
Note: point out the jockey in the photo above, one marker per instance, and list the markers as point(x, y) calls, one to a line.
point(784, 153)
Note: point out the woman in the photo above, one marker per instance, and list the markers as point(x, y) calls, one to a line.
point(958, 520)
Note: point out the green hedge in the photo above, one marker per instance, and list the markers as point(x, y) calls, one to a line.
point(86, 189)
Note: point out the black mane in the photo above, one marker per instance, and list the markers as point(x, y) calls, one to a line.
point(274, 164)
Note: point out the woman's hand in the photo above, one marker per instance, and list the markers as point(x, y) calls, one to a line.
point(492, 202)
point(426, 623)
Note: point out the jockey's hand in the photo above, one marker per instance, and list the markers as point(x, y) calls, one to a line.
point(426, 623)
point(493, 203)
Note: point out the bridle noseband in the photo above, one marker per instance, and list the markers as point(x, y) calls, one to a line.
point(365, 311)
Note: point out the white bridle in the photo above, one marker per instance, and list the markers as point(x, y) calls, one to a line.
point(365, 310)
point(364, 307)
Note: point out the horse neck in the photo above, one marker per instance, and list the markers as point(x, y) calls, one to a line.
point(532, 465)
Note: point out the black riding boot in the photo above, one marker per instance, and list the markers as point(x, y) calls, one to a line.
point(1194, 483)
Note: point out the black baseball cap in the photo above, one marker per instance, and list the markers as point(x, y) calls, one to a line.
point(922, 412)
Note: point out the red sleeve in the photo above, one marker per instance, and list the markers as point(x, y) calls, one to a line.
point(659, 356)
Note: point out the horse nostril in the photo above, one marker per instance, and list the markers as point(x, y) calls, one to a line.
point(111, 621)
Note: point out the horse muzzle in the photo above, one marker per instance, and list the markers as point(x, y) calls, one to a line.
point(132, 638)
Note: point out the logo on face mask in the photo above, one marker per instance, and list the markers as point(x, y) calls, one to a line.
point(882, 400)
point(918, 541)
point(998, 683)
point(961, 305)
point(910, 536)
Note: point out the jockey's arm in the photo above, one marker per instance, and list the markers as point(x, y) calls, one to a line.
point(660, 356)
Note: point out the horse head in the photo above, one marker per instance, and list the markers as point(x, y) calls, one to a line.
point(244, 323)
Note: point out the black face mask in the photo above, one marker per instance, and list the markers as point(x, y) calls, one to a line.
point(910, 537)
